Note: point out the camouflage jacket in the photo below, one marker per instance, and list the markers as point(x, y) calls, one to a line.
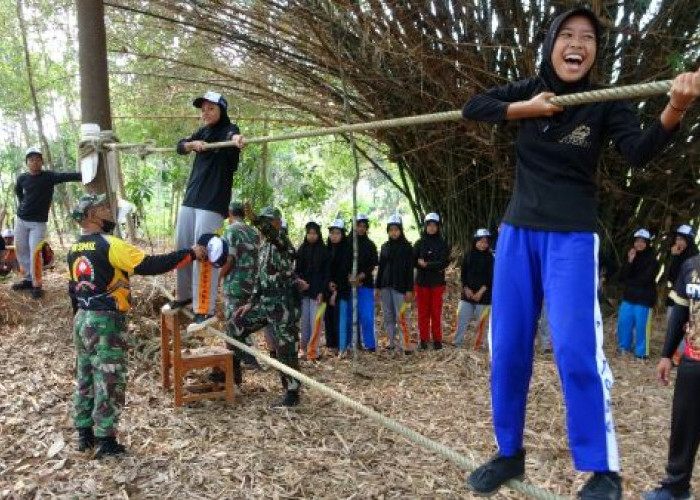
point(275, 274)
point(243, 242)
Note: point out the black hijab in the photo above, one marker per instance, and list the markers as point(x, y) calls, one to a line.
point(547, 72)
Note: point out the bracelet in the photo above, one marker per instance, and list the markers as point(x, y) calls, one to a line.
point(678, 110)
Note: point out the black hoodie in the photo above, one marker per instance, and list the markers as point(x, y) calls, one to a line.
point(340, 266)
point(639, 278)
point(557, 157)
point(312, 264)
point(396, 265)
point(209, 185)
point(477, 271)
point(367, 258)
point(433, 249)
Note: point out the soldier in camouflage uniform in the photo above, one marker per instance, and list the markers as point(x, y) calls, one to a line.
point(100, 265)
point(238, 275)
point(275, 300)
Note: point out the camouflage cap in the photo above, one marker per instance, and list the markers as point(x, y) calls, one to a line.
point(86, 201)
point(236, 207)
point(270, 213)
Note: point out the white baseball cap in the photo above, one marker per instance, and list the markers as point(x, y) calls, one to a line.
point(395, 219)
point(432, 217)
point(337, 224)
point(210, 96)
point(8, 233)
point(685, 230)
point(32, 151)
point(482, 233)
point(362, 217)
point(642, 233)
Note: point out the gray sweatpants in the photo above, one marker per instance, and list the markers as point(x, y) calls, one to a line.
point(191, 224)
point(465, 313)
point(391, 306)
point(27, 236)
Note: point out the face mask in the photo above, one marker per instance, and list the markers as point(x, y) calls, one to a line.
point(108, 225)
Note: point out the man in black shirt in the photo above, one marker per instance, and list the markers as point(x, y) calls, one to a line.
point(34, 190)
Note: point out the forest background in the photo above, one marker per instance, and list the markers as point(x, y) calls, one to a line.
point(290, 65)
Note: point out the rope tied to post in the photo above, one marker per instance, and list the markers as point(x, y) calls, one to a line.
point(635, 91)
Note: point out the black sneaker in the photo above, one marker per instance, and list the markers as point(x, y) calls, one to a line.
point(602, 486)
point(200, 322)
point(487, 479)
point(86, 439)
point(437, 345)
point(108, 447)
point(36, 292)
point(174, 305)
point(666, 494)
point(423, 346)
point(217, 377)
point(22, 285)
point(288, 400)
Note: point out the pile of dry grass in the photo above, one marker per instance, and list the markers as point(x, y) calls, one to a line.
point(320, 450)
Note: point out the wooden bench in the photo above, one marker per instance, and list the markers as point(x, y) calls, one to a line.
point(171, 326)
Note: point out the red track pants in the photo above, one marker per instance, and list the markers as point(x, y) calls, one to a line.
point(429, 302)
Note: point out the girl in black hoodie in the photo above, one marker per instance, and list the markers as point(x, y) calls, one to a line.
point(548, 245)
point(205, 203)
point(638, 275)
point(338, 291)
point(312, 270)
point(431, 256)
point(395, 283)
point(477, 281)
point(684, 247)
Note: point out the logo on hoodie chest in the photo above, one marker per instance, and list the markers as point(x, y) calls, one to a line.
point(578, 137)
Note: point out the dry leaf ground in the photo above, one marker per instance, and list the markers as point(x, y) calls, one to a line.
point(320, 450)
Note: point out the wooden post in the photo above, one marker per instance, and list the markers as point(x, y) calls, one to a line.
point(94, 84)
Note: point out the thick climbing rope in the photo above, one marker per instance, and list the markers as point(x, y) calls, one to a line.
point(409, 434)
point(638, 90)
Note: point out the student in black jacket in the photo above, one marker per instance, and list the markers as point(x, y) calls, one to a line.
point(312, 270)
point(338, 291)
point(34, 190)
point(548, 246)
point(367, 260)
point(683, 248)
point(205, 203)
point(477, 281)
point(431, 255)
point(395, 283)
point(638, 275)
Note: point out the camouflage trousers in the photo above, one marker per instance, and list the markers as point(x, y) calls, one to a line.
point(101, 364)
point(282, 314)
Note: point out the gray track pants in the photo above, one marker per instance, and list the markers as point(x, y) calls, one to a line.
point(27, 236)
point(198, 281)
point(391, 306)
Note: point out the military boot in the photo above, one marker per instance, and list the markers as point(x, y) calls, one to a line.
point(86, 439)
point(108, 447)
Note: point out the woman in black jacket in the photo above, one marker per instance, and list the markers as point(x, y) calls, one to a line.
point(312, 270)
point(684, 247)
point(431, 255)
point(338, 291)
point(477, 281)
point(638, 275)
point(205, 203)
point(395, 282)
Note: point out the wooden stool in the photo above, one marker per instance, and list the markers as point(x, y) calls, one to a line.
point(182, 363)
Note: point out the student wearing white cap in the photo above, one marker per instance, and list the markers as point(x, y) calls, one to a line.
point(638, 275)
point(367, 260)
point(205, 203)
point(683, 248)
point(338, 317)
point(34, 190)
point(395, 283)
point(477, 282)
point(431, 255)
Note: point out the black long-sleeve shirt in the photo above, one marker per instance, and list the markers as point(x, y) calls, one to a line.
point(396, 265)
point(211, 179)
point(433, 249)
point(557, 157)
point(639, 278)
point(35, 193)
point(367, 259)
